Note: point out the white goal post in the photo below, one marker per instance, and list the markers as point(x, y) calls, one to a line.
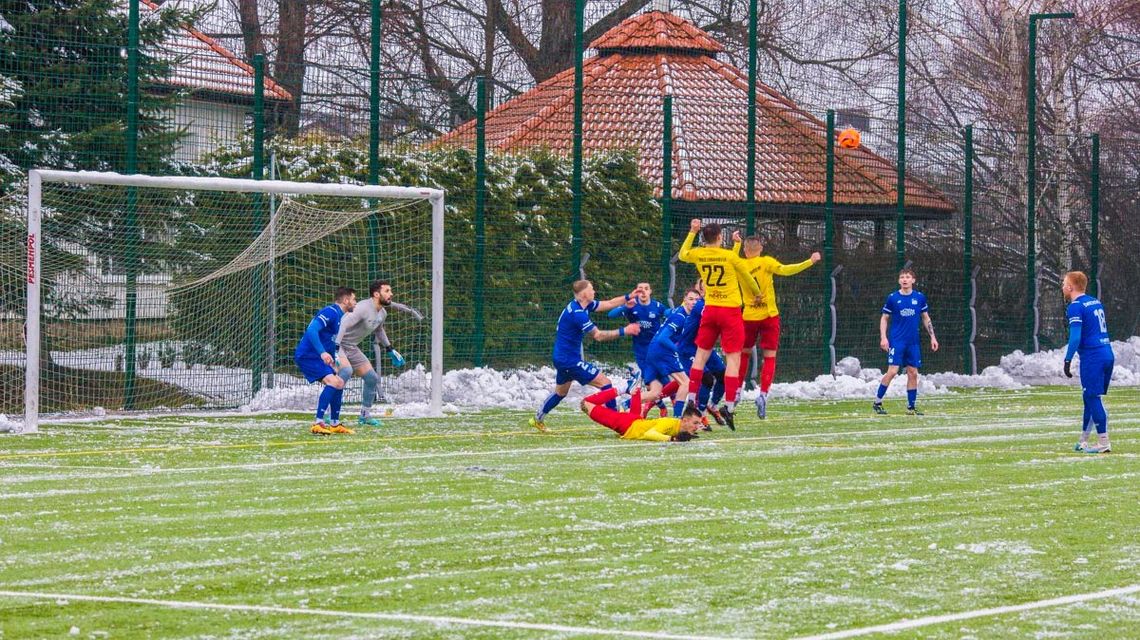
point(35, 247)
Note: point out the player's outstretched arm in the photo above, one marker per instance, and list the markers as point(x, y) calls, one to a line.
point(884, 343)
point(794, 268)
point(687, 245)
point(412, 311)
point(606, 305)
point(929, 324)
point(605, 335)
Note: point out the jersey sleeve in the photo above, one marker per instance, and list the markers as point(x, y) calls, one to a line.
point(686, 246)
point(593, 306)
point(782, 269)
point(654, 435)
point(925, 307)
point(747, 282)
point(1073, 313)
point(586, 324)
point(887, 310)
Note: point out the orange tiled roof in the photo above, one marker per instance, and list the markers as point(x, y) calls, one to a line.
point(654, 54)
point(204, 64)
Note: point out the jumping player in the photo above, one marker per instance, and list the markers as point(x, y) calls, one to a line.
point(724, 274)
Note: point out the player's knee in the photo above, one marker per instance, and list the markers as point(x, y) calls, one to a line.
point(1089, 395)
point(336, 382)
point(345, 374)
point(371, 378)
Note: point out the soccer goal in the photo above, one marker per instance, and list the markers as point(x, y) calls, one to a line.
point(150, 293)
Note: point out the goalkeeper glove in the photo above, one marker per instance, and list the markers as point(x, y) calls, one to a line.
point(394, 356)
point(1068, 368)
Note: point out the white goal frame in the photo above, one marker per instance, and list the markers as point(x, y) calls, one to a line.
point(37, 177)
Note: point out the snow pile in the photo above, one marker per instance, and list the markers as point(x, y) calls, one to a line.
point(6, 424)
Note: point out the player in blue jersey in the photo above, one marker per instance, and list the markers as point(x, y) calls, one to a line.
point(1088, 337)
point(314, 357)
point(902, 312)
point(712, 383)
point(648, 314)
point(663, 372)
point(569, 364)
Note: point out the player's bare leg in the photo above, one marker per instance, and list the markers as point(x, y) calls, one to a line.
point(912, 391)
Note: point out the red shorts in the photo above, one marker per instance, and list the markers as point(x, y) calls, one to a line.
point(768, 330)
point(725, 322)
point(617, 420)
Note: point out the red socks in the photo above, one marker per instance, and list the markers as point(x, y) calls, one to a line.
point(695, 376)
point(767, 373)
point(602, 397)
point(731, 386)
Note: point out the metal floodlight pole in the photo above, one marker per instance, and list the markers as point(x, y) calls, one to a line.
point(828, 241)
point(750, 194)
point(667, 189)
point(130, 222)
point(900, 178)
point(1031, 180)
point(1094, 217)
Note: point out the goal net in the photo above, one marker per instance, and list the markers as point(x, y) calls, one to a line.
point(152, 293)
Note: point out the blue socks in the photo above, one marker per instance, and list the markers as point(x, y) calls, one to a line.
point(1094, 408)
point(334, 405)
point(678, 408)
point(911, 396)
point(327, 394)
point(548, 405)
point(881, 392)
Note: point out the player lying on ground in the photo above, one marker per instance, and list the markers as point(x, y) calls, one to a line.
point(1088, 337)
point(314, 357)
point(631, 426)
point(574, 324)
point(902, 311)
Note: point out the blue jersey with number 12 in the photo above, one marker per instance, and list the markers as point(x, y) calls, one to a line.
point(1088, 313)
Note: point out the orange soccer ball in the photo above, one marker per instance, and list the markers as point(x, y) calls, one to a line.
point(849, 138)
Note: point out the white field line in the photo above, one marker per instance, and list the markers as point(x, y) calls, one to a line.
point(903, 625)
point(331, 613)
point(963, 429)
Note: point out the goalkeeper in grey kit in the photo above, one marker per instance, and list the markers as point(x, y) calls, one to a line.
point(368, 319)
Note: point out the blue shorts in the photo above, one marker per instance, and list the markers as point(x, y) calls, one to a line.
point(1096, 373)
point(715, 363)
point(905, 355)
point(581, 372)
point(660, 364)
point(313, 367)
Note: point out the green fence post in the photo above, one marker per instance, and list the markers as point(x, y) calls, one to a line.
point(374, 136)
point(828, 238)
point(968, 358)
point(480, 212)
point(900, 178)
point(1094, 217)
point(666, 191)
point(260, 295)
point(576, 178)
point(130, 222)
point(750, 195)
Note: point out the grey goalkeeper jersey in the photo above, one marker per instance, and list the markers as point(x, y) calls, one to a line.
point(362, 321)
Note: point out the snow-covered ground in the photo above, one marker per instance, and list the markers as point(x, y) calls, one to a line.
point(467, 389)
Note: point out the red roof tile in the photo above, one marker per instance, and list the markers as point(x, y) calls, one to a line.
point(203, 63)
point(623, 92)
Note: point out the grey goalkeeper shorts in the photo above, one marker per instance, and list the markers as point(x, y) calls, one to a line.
point(354, 355)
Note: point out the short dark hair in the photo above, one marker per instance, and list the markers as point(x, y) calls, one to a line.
point(377, 285)
point(343, 292)
point(691, 411)
point(710, 233)
point(908, 270)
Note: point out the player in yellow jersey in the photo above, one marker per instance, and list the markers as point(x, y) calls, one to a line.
point(762, 317)
point(725, 275)
point(631, 426)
